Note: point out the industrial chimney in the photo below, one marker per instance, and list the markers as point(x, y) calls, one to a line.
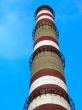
point(48, 90)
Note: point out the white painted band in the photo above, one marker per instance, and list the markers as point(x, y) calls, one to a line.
point(47, 80)
point(46, 42)
point(44, 17)
point(44, 12)
point(49, 99)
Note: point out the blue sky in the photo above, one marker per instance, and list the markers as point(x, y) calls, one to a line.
point(16, 25)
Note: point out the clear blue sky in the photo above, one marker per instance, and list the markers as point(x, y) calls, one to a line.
point(16, 25)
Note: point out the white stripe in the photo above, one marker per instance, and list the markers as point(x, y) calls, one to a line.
point(44, 17)
point(47, 80)
point(44, 11)
point(46, 42)
point(49, 99)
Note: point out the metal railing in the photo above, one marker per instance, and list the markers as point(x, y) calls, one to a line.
point(63, 59)
point(42, 24)
point(46, 91)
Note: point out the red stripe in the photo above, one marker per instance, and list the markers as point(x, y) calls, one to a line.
point(49, 87)
point(45, 72)
point(45, 14)
point(45, 21)
point(50, 107)
point(45, 38)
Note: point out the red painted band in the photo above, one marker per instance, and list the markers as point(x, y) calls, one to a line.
point(49, 87)
point(45, 38)
point(45, 14)
point(50, 107)
point(46, 72)
point(44, 21)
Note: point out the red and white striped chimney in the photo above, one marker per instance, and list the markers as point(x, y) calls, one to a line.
point(48, 90)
